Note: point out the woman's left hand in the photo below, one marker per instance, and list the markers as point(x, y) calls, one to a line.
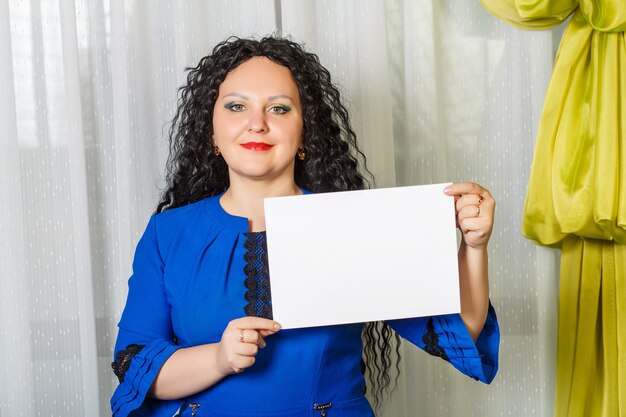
point(474, 212)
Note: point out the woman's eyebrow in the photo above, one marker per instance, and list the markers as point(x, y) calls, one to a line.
point(239, 95)
point(270, 98)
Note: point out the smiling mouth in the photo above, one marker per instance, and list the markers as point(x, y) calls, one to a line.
point(257, 146)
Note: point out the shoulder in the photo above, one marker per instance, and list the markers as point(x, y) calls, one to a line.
point(181, 216)
point(183, 224)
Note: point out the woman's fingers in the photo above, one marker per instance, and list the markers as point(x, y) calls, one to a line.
point(242, 363)
point(474, 212)
point(461, 188)
point(241, 341)
point(469, 212)
point(254, 329)
point(469, 200)
point(256, 323)
point(469, 192)
point(246, 349)
point(251, 336)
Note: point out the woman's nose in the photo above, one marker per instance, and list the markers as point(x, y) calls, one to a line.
point(257, 122)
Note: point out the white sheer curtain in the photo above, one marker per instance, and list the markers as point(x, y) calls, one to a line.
point(438, 91)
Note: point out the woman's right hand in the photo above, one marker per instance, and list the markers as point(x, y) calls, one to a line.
point(241, 341)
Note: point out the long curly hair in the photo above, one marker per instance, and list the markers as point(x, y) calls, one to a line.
point(333, 161)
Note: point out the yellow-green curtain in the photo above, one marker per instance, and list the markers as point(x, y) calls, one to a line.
point(576, 197)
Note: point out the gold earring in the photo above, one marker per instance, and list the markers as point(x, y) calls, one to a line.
point(301, 154)
point(216, 150)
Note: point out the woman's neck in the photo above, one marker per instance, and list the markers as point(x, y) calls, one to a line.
point(244, 198)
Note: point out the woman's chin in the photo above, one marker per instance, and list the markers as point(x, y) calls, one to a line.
point(254, 170)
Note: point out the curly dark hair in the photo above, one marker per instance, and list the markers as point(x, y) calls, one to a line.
point(333, 159)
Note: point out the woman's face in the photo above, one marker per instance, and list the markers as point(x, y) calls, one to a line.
point(257, 121)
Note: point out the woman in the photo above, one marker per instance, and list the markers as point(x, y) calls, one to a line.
point(262, 119)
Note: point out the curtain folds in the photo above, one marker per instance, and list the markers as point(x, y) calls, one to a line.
point(576, 199)
point(592, 308)
point(578, 148)
point(531, 14)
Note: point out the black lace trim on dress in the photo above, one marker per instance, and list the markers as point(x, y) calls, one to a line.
point(257, 280)
point(431, 342)
point(122, 360)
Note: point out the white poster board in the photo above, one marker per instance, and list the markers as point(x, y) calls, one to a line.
point(360, 256)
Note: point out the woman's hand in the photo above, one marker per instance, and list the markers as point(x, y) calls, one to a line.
point(241, 341)
point(193, 369)
point(474, 216)
point(474, 213)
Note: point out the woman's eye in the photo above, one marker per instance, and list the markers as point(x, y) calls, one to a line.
point(279, 109)
point(235, 107)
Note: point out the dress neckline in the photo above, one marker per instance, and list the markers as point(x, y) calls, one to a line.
point(230, 221)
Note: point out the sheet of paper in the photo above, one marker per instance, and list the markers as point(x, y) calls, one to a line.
point(362, 256)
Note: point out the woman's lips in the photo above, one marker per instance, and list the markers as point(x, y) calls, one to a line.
point(257, 146)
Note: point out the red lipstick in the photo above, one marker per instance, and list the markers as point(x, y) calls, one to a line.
point(257, 146)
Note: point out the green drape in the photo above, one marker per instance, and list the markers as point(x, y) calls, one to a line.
point(576, 197)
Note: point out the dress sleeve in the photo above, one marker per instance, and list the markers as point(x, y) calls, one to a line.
point(145, 337)
point(447, 337)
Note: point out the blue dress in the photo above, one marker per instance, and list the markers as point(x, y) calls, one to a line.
point(195, 269)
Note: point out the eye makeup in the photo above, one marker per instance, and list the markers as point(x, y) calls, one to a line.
point(233, 105)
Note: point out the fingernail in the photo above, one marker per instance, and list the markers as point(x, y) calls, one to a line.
point(446, 190)
point(276, 326)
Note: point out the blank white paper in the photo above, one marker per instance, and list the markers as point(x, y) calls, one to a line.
point(360, 256)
